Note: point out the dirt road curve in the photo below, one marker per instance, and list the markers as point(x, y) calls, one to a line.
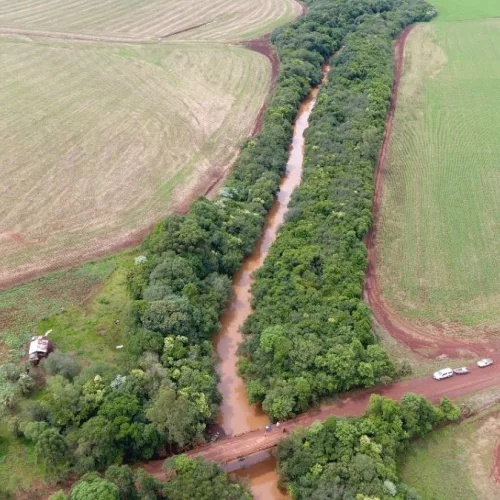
point(232, 448)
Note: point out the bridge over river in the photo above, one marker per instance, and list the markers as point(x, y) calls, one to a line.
point(230, 448)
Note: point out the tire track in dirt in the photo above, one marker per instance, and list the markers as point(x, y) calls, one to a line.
point(416, 339)
point(495, 473)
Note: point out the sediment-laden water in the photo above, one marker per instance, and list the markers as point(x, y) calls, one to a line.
point(236, 415)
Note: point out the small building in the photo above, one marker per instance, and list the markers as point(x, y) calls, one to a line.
point(40, 347)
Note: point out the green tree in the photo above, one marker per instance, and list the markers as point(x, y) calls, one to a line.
point(123, 478)
point(52, 448)
point(60, 363)
point(93, 487)
point(200, 479)
point(148, 488)
point(175, 417)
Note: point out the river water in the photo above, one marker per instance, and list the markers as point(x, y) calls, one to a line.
point(236, 415)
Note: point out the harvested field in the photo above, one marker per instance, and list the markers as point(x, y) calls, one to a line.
point(99, 141)
point(213, 20)
point(438, 249)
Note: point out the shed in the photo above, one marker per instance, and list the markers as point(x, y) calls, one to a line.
point(40, 347)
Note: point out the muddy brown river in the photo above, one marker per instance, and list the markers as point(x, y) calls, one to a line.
point(236, 415)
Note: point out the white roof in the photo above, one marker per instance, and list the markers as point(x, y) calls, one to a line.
point(39, 344)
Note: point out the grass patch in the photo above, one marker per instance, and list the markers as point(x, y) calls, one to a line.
point(22, 307)
point(92, 330)
point(436, 465)
point(440, 213)
point(85, 307)
point(455, 461)
point(18, 466)
point(460, 10)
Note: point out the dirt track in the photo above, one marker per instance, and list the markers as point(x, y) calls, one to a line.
point(233, 447)
point(415, 338)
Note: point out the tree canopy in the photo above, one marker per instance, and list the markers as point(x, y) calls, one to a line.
point(354, 459)
point(310, 335)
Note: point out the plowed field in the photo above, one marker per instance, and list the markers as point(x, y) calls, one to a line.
point(215, 20)
point(101, 140)
point(438, 243)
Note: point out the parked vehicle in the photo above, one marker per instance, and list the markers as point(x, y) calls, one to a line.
point(443, 373)
point(482, 363)
point(461, 371)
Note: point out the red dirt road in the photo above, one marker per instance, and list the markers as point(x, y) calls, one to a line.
point(234, 447)
point(418, 340)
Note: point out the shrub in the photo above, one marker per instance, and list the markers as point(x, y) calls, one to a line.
point(60, 363)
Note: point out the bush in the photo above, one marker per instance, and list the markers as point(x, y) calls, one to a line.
point(356, 458)
point(60, 363)
point(92, 486)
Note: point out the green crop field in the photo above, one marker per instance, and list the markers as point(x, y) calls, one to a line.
point(439, 233)
point(215, 20)
point(459, 10)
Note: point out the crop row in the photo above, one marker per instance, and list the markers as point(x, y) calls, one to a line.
point(208, 20)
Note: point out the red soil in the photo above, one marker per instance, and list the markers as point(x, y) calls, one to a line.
point(263, 46)
point(418, 340)
point(232, 448)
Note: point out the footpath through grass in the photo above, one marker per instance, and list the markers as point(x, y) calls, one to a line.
point(439, 237)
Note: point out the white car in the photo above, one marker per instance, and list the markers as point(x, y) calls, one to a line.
point(443, 373)
point(482, 363)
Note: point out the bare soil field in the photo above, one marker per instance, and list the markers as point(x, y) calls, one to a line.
point(101, 140)
point(209, 20)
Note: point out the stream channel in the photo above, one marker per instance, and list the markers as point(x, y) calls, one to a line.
point(236, 415)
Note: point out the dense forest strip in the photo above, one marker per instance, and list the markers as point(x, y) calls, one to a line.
point(310, 336)
point(356, 458)
point(235, 414)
